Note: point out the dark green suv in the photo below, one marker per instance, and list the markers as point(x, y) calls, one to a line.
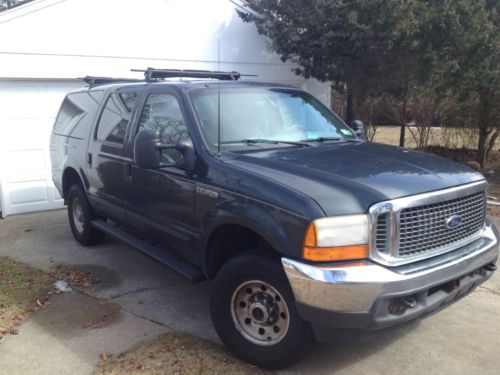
point(306, 228)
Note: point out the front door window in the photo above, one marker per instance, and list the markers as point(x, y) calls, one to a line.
point(162, 113)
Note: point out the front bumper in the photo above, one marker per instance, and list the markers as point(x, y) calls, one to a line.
point(366, 295)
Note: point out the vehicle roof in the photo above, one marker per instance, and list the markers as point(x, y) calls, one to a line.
point(185, 85)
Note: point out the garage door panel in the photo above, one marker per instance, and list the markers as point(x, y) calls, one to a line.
point(19, 102)
point(23, 134)
point(30, 165)
point(28, 112)
point(28, 192)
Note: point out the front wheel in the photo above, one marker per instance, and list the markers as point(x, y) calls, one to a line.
point(253, 311)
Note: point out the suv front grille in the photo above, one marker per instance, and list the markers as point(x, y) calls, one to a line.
point(416, 227)
point(424, 228)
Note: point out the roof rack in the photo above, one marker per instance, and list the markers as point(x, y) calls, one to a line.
point(152, 74)
point(96, 81)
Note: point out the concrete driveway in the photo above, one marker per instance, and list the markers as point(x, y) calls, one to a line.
point(137, 299)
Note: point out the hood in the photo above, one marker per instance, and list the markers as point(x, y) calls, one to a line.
point(347, 177)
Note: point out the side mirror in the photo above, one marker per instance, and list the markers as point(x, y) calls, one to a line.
point(186, 148)
point(148, 147)
point(359, 129)
point(146, 151)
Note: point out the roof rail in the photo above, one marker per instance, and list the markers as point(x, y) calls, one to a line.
point(96, 81)
point(152, 74)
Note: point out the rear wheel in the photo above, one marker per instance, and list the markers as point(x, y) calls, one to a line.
point(80, 215)
point(253, 311)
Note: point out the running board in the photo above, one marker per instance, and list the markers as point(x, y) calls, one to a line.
point(182, 268)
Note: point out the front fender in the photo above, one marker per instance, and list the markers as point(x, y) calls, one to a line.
point(282, 229)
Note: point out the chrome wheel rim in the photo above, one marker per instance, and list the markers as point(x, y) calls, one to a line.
point(260, 313)
point(78, 216)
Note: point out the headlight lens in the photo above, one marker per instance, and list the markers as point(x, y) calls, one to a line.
point(337, 238)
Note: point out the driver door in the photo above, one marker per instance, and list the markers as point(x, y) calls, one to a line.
point(161, 201)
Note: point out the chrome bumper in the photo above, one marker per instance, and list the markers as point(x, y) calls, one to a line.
point(357, 294)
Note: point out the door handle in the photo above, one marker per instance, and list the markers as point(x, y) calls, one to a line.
point(129, 172)
point(89, 159)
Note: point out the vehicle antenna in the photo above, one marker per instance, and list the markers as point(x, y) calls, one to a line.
point(218, 99)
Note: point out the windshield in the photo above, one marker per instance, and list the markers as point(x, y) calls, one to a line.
point(272, 114)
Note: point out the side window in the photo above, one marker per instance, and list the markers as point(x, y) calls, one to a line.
point(115, 117)
point(162, 113)
point(69, 116)
point(75, 118)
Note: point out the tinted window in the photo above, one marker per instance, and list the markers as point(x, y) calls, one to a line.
point(115, 117)
point(77, 114)
point(162, 113)
point(129, 99)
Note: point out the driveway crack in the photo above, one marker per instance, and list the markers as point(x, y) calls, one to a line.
point(138, 290)
point(126, 310)
point(146, 318)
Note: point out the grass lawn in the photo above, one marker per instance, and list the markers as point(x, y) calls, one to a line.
point(23, 289)
point(175, 353)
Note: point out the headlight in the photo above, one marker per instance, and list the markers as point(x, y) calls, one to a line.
point(336, 238)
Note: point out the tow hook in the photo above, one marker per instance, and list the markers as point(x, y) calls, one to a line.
point(400, 305)
point(490, 267)
point(408, 301)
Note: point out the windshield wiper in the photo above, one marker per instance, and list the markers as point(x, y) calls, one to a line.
point(252, 141)
point(325, 139)
point(321, 139)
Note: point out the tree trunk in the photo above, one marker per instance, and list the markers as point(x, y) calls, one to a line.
point(482, 149)
point(491, 143)
point(349, 110)
point(402, 134)
point(403, 118)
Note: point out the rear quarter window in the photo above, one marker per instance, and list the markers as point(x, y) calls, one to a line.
point(77, 114)
point(115, 117)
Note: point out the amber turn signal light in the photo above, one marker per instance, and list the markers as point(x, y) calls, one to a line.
point(326, 254)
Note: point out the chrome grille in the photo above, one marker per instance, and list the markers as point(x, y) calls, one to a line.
point(381, 235)
point(423, 228)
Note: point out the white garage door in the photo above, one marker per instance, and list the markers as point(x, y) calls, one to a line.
point(27, 112)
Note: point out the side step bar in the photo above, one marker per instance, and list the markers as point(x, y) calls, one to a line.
point(184, 269)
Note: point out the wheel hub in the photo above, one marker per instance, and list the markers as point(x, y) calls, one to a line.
point(260, 313)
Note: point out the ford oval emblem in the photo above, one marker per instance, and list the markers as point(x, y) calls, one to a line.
point(453, 222)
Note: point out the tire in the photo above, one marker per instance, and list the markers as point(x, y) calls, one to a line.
point(251, 296)
point(80, 214)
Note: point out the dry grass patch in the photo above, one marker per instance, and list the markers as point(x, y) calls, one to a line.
point(23, 289)
point(175, 353)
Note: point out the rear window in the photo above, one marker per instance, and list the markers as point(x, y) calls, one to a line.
point(77, 113)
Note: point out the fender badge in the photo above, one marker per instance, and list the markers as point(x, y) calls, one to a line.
point(207, 192)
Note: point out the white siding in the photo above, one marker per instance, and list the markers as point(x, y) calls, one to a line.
point(73, 38)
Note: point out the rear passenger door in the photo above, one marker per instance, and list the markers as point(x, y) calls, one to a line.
point(106, 161)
